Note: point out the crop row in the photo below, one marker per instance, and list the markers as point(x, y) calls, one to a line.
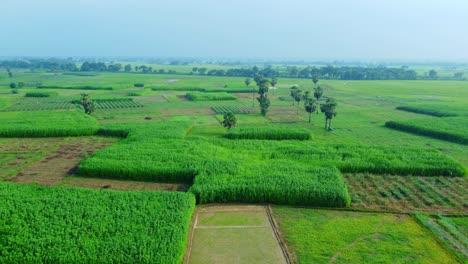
point(449, 128)
point(68, 225)
point(408, 193)
point(34, 106)
point(270, 132)
point(232, 109)
point(47, 124)
point(41, 94)
point(122, 103)
point(85, 87)
point(432, 110)
point(210, 96)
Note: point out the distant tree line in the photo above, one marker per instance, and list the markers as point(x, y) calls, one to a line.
point(324, 72)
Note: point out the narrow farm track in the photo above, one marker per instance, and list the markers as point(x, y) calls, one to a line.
point(61, 163)
point(234, 234)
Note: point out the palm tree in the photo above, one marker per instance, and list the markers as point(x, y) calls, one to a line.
point(329, 109)
point(318, 92)
point(247, 82)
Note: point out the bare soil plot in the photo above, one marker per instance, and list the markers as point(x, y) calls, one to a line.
point(233, 234)
point(95, 183)
point(408, 193)
point(62, 162)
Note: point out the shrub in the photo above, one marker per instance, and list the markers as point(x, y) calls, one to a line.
point(139, 85)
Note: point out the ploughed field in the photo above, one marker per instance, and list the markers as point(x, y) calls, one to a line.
point(393, 170)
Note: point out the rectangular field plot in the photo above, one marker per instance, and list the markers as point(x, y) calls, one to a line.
point(74, 225)
point(233, 109)
point(325, 236)
point(38, 104)
point(233, 234)
point(41, 104)
point(409, 193)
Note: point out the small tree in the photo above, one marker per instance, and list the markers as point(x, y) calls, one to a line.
point(329, 109)
point(247, 82)
point(315, 80)
point(230, 120)
point(293, 92)
point(263, 86)
point(298, 98)
point(432, 74)
point(310, 104)
point(128, 68)
point(318, 92)
point(273, 83)
point(12, 85)
point(87, 104)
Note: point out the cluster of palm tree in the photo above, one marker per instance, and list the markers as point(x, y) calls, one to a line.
point(312, 102)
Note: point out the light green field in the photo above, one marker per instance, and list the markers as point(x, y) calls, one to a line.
point(321, 236)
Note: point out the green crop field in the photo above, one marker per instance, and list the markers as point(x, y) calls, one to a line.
point(64, 225)
point(165, 132)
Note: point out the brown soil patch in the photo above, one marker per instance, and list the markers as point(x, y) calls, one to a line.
point(168, 112)
point(29, 144)
point(59, 164)
point(96, 183)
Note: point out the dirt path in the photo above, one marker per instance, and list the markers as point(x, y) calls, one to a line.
point(61, 163)
point(233, 234)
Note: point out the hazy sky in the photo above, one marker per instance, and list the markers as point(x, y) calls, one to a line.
point(326, 29)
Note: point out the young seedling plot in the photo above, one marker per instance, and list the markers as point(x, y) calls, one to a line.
point(364, 190)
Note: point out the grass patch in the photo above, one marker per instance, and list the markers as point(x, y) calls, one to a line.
point(321, 236)
point(141, 92)
point(68, 225)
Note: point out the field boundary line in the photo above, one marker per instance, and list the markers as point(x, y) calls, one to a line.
point(193, 225)
point(234, 226)
point(274, 227)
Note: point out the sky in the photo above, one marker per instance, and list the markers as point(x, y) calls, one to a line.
point(270, 29)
